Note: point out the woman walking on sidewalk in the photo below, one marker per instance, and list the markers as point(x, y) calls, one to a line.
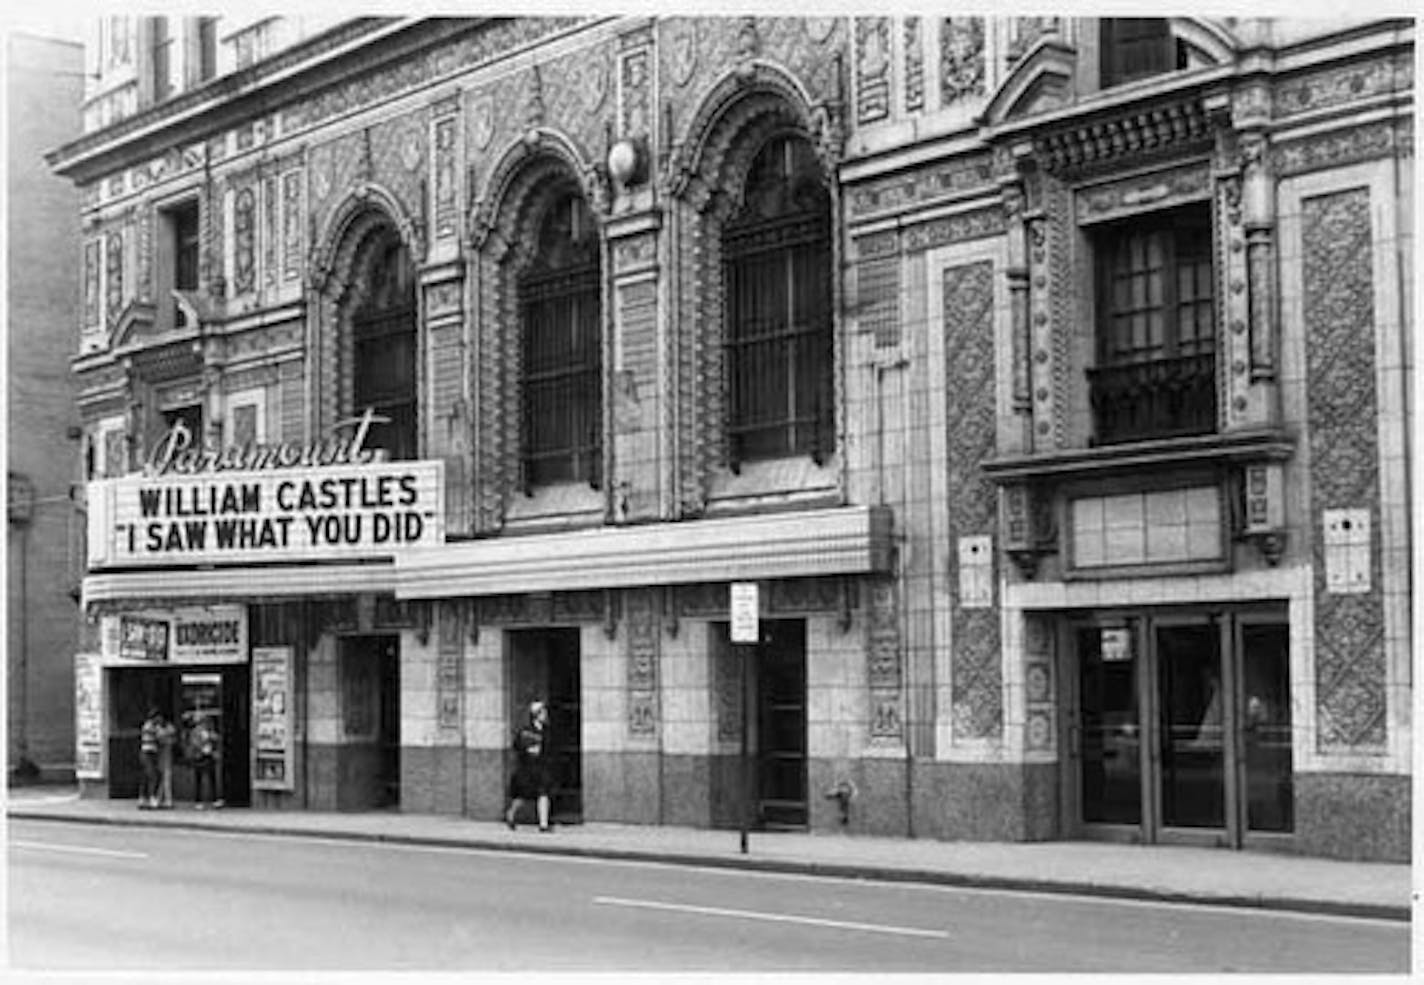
point(531, 779)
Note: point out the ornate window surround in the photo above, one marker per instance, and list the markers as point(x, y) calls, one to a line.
point(535, 168)
point(704, 175)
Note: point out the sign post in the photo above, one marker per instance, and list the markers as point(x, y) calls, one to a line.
point(746, 631)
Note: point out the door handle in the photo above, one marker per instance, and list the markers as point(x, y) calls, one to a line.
point(1075, 740)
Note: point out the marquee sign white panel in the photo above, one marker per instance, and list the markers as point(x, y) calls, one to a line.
point(373, 510)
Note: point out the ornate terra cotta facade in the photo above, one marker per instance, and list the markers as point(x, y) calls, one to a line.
point(1048, 436)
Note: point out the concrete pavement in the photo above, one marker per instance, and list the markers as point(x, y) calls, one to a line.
point(1157, 872)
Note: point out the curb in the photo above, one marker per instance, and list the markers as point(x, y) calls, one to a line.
point(838, 870)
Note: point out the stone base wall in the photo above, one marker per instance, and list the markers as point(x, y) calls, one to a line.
point(342, 778)
point(986, 801)
point(622, 787)
point(1353, 816)
point(432, 780)
point(486, 782)
point(878, 805)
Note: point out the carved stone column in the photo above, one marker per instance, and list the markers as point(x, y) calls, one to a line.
point(636, 368)
point(1013, 198)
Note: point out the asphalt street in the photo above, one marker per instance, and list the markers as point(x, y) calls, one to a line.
point(96, 897)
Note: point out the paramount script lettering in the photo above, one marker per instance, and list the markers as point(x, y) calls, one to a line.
point(176, 452)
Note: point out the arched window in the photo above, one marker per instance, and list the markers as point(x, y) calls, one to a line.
point(561, 393)
point(1134, 48)
point(383, 349)
point(779, 350)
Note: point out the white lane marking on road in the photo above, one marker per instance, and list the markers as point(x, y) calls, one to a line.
point(717, 911)
point(41, 846)
point(1230, 910)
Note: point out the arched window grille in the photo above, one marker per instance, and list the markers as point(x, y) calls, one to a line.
point(383, 344)
point(779, 349)
point(561, 393)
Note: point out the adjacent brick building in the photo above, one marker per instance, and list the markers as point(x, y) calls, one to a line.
point(43, 90)
point(1018, 360)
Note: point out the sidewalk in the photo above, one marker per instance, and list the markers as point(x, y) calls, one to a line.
point(1168, 873)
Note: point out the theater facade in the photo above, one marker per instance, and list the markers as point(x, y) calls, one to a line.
point(1045, 375)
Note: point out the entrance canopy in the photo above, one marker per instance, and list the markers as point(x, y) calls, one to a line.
point(839, 541)
point(238, 583)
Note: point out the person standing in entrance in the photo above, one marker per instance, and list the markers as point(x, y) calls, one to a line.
point(148, 759)
point(203, 748)
point(167, 737)
point(531, 779)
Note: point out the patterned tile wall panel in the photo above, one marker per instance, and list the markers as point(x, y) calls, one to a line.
point(113, 276)
point(694, 52)
point(885, 654)
point(293, 401)
point(961, 59)
point(644, 650)
point(445, 183)
point(976, 672)
point(334, 169)
point(293, 214)
point(449, 667)
point(878, 284)
point(914, 66)
point(400, 159)
point(872, 69)
point(93, 251)
point(244, 239)
point(1344, 462)
point(270, 234)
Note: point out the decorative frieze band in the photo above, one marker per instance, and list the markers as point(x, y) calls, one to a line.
point(1160, 189)
point(931, 185)
point(1346, 146)
point(1347, 84)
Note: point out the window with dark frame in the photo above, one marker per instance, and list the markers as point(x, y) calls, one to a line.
point(1156, 328)
point(779, 349)
point(1134, 48)
point(180, 247)
point(383, 351)
point(161, 58)
point(561, 383)
point(207, 46)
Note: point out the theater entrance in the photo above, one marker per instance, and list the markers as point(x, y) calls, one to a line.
point(368, 764)
point(1179, 726)
point(544, 666)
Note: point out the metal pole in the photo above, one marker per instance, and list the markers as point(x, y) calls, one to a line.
point(742, 649)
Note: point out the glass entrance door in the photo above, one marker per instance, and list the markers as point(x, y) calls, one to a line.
point(1180, 727)
point(1110, 737)
point(1191, 773)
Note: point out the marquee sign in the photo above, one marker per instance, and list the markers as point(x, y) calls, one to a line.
point(341, 512)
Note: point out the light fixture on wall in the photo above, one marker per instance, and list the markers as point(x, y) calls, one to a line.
point(625, 162)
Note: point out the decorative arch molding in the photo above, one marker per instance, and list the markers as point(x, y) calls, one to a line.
point(348, 236)
point(508, 190)
point(705, 177)
point(366, 204)
point(504, 237)
point(1213, 40)
point(1042, 79)
point(696, 168)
